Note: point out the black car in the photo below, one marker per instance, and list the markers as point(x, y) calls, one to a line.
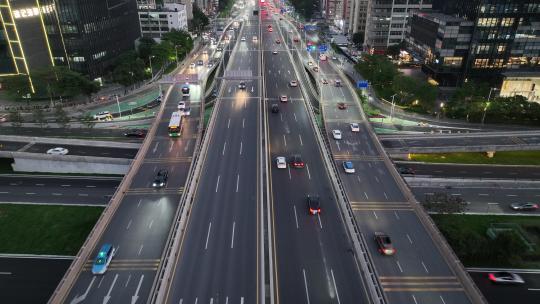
point(242, 85)
point(135, 133)
point(275, 108)
point(200, 62)
point(406, 170)
point(296, 162)
point(161, 179)
point(313, 204)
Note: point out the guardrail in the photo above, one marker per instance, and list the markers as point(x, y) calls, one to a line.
point(472, 291)
point(165, 274)
point(475, 148)
point(361, 255)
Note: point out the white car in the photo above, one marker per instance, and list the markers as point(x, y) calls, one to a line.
point(281, 162)
point(293, 83)
point(310, 63)
point(355, 127)
point(336, 134)
point(255, 39)
point(243, 39)
point(283, 98)
point(205, 52)
point(274, 52)
point(181, 105)
point(185, 111)
point(192, 65)
point(58, 151)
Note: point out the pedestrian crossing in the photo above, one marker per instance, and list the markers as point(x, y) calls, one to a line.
point(420, 283)
point(380, 206)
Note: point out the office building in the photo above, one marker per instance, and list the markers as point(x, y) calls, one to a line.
point(357, 16)
point(387, 22)
point(86, 36)
point(162, 19)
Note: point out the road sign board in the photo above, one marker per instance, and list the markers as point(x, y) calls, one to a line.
point(362, 84)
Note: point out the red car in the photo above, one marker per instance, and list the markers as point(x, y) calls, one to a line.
point(342, 105)
point(384, 243)
point(296, 162)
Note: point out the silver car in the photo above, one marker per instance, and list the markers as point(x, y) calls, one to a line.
point(504, 277)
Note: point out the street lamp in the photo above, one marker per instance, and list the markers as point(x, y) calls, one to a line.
point(485, 111)
point(151, 69)
point(393, 106)
point(491, 90)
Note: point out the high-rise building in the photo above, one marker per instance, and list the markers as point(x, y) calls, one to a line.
point(85, 35)
point(357, 16)
point(387, 21)
point(504, 48)
point(162, 19)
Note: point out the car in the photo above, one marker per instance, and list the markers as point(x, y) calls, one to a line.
point(337, 83)
point(296, 39)
point(336, 134)
point(192, 65)
point(524, 206)
point(58, 151)
point(270, 29)
point(104, 115)
point(219, 49)
point(281, 162)
point(315, 69)
point(384, 243)
point(323, 57)
point(505, 277)
point(278, 41)
point(209, 64)
point(181, 105)
point(283, 98)
point(200, 62)
point(269, 26)
point(355, 127)
point(293, 83)
point(255, 39)
point(139, 133)
point(274, 52)
point(103, 259)
point(243, 39)
point(242, 85)
point(324, 81)
point(310, 63)
point(3, 118)
point(205, 52)
point(161, 179)
point(341, 105)
point(296, 162)
point(186, 111)
point(406, 170)
point(313, 204)
point(214, 92)
point(334, 58)
point(348, 167)
point(275, 108)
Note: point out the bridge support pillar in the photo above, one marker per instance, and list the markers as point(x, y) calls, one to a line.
point(490, 154)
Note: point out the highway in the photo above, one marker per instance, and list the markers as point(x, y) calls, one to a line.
point(528, 293)
point(56, 190)
point(219, 259)
point(30, 280)
point(313, 261)
point(472, 170)
point(139, 228)
point(417, 273)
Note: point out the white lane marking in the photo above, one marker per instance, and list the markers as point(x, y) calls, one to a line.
point(240, 148)
point(65, 185)
point(359, 180)
point(90, 186)
point(396, 214)
point(128, 279)
point(171, 146)
point(228, 123)
point(289, 168)
point(281, 115)
point(241, 300)
point(40, 184)
point(4, 192)
point(319, 218)
point(295, 216)
point(217, 183)
point(243, 121)
point(128, 225)
point(232, 237)
point(442, 300)
point(425, 268)
point(335, 287)
point(308, 174)
point(135, 297)
point(140, 250)
point(5, 273)
point(414, 299)
point(208, 236)
point(211, 300)
point(375, 215)
point(139, 204)
point(533, 289)
point(57, 194)
point(295, 117)
point(150, 225)
point(483, 194)
point(155, 147)
point(224, 147)
point(301, 143)
point(30, 193)
point(408, 237)
point(377, 179)
point(284, 140)
point(82, 194)
point(338, 147)
point(99, 284)
point(81, 298)
point(399, 266)
point(237, 181)
point(226, 300)
point(366, 195)
point(305, 284)
point(386, 196)
point(108, 296)
point(512, 195)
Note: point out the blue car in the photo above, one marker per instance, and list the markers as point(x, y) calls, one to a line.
point(103, 259)
point(348, 167)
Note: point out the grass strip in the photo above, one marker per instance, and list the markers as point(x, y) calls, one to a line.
point(500, 158)
point(45, 229)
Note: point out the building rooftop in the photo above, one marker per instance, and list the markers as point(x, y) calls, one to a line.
point(440, 17)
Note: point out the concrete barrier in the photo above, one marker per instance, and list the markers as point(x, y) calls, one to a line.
point(70, 141)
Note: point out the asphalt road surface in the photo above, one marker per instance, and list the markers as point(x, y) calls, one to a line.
point(30, 280)
point(219, 260)
point(72, 149)
point(313, 263)
point(79, 133)
point(417, 273)
point(528, 293)
point(140, 226)
point(36, 189)
point(472, 171)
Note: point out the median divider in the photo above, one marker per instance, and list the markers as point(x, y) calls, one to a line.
point(68, 280)
point(361, 255)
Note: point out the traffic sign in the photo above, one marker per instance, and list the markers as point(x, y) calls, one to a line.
point(323, 48)
point(362, 84)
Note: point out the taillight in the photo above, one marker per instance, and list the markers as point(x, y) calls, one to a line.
point(492, 277)
point(311, 211)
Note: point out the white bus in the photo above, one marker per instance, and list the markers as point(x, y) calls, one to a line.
point(175, 125)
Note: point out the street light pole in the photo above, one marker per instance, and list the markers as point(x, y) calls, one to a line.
point(151, 69)
point(392, 109)
point(118, 104)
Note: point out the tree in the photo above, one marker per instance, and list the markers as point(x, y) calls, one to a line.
point(199, 20)
point(358, 39)
point(129, 69)
point(145, 47)
point(17, 86)
point(162, 53)
point(377, 69)
point(88, 120)
point(16, 118)
point(61, 116)
point(39, 117)
point(181, 42)
point(394, 49)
